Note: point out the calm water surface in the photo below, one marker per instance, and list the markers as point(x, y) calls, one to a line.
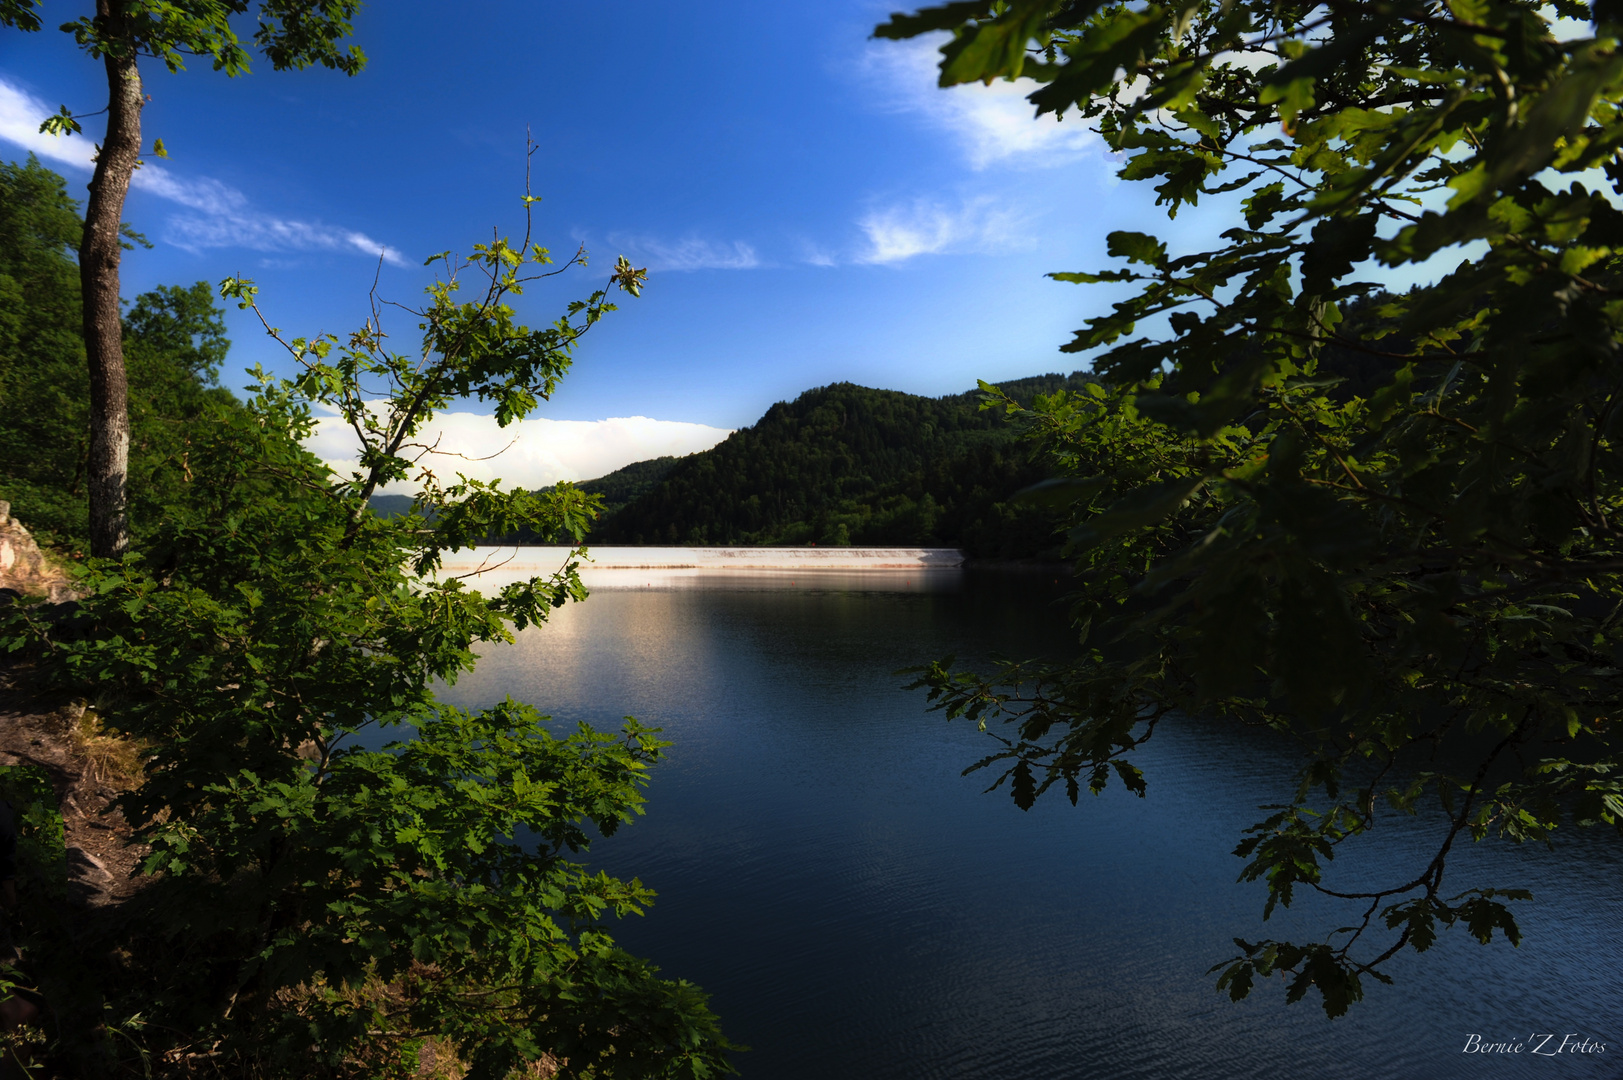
point(859, 909)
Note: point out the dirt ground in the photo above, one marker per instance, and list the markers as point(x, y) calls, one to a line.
point(101, 862)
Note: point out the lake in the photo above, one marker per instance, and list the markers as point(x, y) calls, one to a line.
point(857, 908)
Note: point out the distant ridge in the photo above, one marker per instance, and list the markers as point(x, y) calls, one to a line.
point(849, 465)
point(842, 465)
point(388, 506)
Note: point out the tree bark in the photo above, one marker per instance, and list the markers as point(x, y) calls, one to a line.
point(99, 255)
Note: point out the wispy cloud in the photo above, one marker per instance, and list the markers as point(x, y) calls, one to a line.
point(816, 255)
point(924, 227)
point(993, 123)
point(531, 453)
point(262, 232)
point(689, 253)
point(219, 216)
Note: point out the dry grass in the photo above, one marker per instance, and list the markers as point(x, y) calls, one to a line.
point(437, 1060)
point(110, 758)
point(544, 1069)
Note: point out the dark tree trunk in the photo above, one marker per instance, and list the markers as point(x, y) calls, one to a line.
point(99, 256)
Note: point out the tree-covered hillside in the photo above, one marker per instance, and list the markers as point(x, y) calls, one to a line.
point(846, 464)
point(624, 486)
point(174, 343)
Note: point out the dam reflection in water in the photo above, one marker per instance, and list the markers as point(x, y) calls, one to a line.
point(858, 909)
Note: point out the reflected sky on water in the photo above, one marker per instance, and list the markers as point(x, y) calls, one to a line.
point(857, 908)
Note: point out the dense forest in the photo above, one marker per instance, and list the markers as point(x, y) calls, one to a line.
point(845, 464)
point(624, 486)
point(174, 343)
point(840, 465)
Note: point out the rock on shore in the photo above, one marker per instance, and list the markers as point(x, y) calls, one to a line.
point(24, 567)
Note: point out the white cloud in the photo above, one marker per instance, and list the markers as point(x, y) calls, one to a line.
point(20, 117)
point(994, 123)
point(689, 253)
point(529, 453)
point(262, 232)
point(924, 227)
point(220, 215)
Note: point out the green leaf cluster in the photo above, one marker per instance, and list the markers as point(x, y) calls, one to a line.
point(1384, 526)
point(291, 33)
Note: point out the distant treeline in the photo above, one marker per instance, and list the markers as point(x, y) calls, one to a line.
point(841, 465)
point(845, 465)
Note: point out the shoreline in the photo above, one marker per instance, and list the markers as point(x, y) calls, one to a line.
point(843, 559)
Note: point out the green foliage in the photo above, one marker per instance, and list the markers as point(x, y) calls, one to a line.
point(848, 465)
point(35, 925)
point(291, 33)
point(174, 343)
point(341, 866)
point(39, 281)
point(1385, 526)
point(40, 852)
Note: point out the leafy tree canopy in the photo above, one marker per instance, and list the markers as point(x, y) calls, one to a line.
point(291, 33)
point(342, 867)
point(1418, 580)
point(174, 343)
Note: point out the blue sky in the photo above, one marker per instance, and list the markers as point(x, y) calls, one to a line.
point(811, 207)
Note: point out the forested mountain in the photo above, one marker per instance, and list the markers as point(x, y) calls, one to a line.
point(624, 486)
point(174, 342)
point(845, 464)
point(839, 465)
